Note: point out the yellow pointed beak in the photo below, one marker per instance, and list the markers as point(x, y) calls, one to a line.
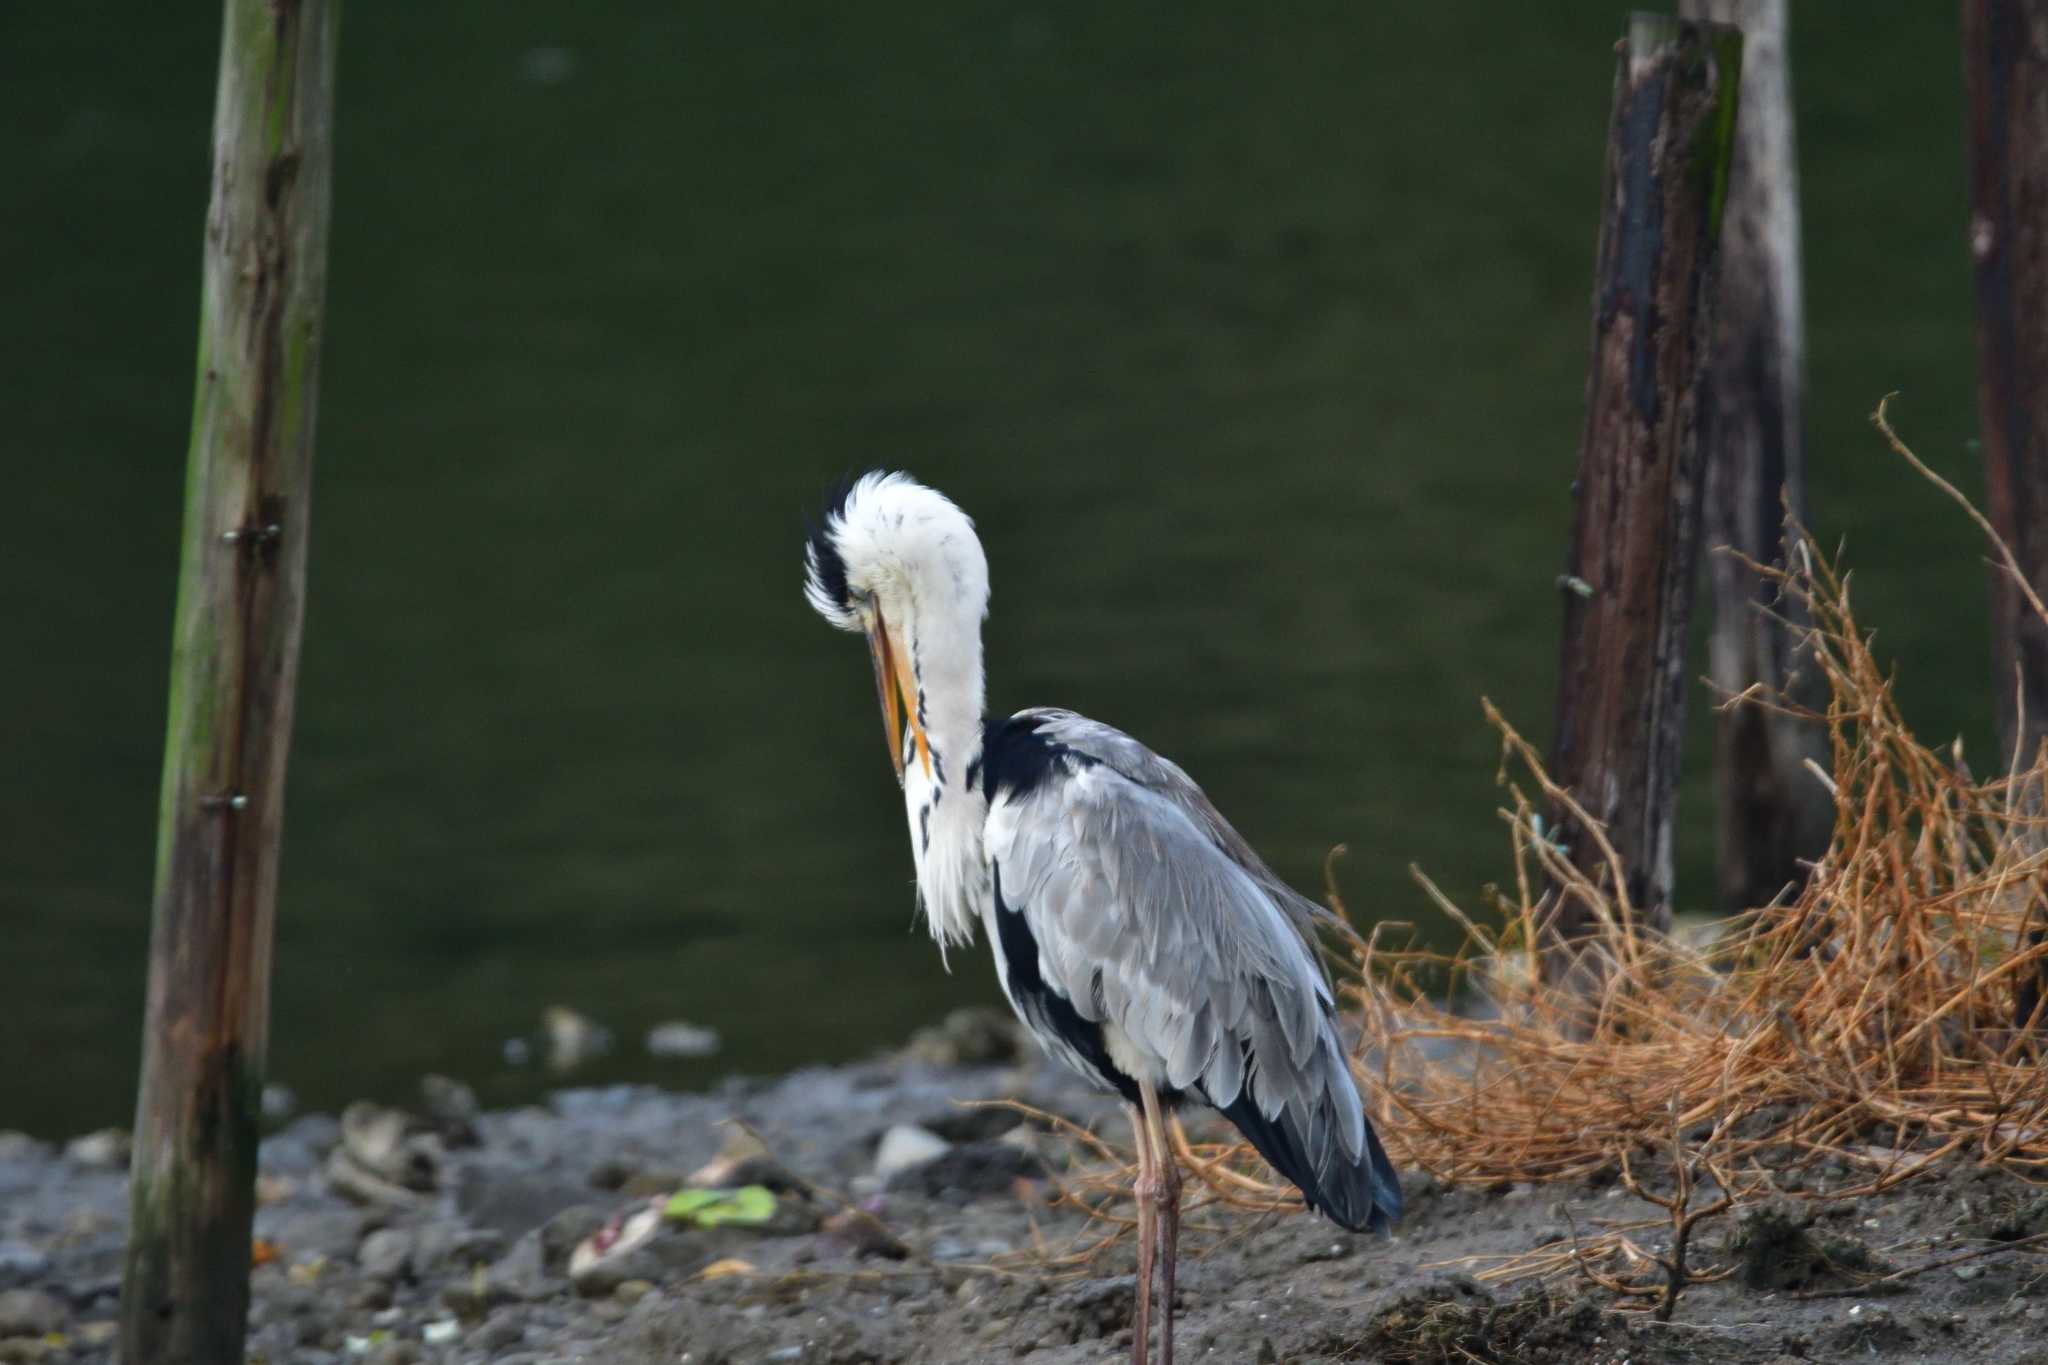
point(895, 688)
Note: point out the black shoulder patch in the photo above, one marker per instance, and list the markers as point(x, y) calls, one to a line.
point(1016, 758)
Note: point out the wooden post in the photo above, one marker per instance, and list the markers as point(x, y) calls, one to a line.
point(235, 650)
point(1628, 581)
point(2005, 58)
point(1772, 812)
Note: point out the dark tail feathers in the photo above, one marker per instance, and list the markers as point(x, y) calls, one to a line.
point(1364, 1196)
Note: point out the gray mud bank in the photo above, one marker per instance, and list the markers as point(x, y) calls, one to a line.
point(445, 1235)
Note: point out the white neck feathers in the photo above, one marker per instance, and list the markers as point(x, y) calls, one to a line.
point(894, 550)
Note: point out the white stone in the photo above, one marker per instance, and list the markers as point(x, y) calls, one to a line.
point(678, 1039)
point(907, 1145)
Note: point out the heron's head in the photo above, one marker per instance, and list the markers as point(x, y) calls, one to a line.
point(900, 563)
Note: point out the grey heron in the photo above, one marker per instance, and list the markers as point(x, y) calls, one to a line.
point(1136, 934)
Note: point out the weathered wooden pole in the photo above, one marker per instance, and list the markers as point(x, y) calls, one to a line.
point(1772, 813)
point(1628, 581)
point(235, 650)
point(2005, 59)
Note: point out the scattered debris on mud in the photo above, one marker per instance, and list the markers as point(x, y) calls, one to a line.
point(862, 1214)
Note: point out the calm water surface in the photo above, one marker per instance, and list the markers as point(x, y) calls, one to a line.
point(1254, 342)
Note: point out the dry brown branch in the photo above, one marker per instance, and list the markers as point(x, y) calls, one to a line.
point(1685, 1217)
point(1866, 1020)
point(2008, 561)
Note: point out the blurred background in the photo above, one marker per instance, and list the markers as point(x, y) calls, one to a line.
point(1254, 342)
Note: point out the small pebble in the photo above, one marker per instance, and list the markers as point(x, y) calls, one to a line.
point(385, 1253)
point(106, 1149)
point(572, 1038)
point(904, 1146)
point(453, 1108)
point(678, 1039)
point(17, 1146)
point(499, 1333)
point(19, 1260)
point(31, 1313)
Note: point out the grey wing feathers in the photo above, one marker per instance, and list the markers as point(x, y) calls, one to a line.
point(1152, 915)
point(1107, 744)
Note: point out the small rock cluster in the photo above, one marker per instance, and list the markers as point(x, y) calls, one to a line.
point(436, 1232)
point(877, 1214)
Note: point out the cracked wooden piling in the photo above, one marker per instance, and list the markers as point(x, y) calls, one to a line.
point(1636, 527)
point(234, 664)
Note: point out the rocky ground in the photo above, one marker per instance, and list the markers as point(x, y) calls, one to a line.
point(444, 1235)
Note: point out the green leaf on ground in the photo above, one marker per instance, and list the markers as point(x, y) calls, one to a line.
point(749, 1204)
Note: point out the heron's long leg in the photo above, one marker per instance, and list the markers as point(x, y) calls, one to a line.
point(1147, 1190)
point(1169, 1230)
point(1166, 1171)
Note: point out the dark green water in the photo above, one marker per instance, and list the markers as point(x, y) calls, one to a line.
point(1254, 340)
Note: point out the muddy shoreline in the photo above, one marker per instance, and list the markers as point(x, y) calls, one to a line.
point(446, 1235)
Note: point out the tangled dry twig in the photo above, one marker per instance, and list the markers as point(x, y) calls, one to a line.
point(1869, 1022)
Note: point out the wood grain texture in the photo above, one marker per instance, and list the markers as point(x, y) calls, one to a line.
point(1771, 812)
point(1636, 526)
point(241, 593)
point(2005, 55)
